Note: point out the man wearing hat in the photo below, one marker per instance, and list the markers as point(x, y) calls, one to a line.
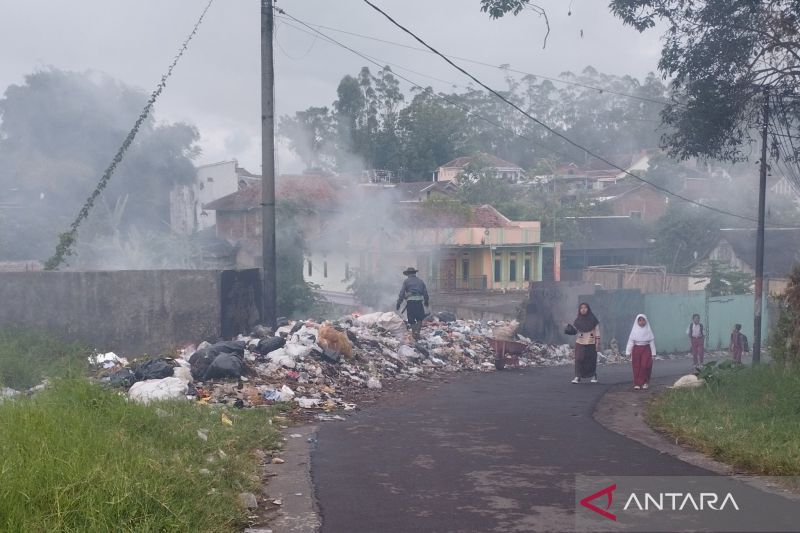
point(416, 294)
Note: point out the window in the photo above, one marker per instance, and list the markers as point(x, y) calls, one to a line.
point(636, 215)
point(498, 270)
point(324, 269)
point(526, 274)
point(465, 269)
point(310, 270)
point(210, 180)
point(512, 270)
point(347, 271)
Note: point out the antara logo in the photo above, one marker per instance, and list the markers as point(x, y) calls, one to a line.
point(679, 501)
point(609, 492)
point(660, 501)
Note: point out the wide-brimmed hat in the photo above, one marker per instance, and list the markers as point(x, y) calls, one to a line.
point(410, 270)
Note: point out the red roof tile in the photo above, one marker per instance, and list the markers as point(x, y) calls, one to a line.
point(317, 190)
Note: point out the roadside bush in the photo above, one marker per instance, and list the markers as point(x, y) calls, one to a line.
point(784, 341)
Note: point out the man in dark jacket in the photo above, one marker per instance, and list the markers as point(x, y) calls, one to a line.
point(416, 295)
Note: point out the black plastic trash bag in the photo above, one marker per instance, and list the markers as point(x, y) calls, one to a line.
point(270, 344)
point(225, 366)
point(124, 377)
point(153, 369)
point(202, 359)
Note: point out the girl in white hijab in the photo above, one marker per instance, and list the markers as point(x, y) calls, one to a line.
point(641, 349)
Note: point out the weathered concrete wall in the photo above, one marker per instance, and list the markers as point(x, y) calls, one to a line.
point(132, 312)
point(549, 307)
point(479, 305)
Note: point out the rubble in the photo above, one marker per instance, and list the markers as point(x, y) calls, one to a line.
point(324, 367)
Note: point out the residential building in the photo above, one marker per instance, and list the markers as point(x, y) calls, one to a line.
point(212, 181)
point(238, 215)
point(602, 240)
point(351, 231)
point(736, 248)
point(635, 199)
point(497, 167)
point(476, 248)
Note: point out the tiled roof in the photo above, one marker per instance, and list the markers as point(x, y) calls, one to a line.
point(606, 233)
point(314, 189)
point(490, 160)
point(474, 216)
point(781, 248)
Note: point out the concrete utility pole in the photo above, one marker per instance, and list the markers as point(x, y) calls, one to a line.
point(268, 266)
point(762, 188)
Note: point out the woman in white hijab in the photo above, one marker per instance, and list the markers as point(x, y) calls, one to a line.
point(641, 349)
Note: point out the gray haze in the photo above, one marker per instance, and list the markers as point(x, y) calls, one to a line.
point(216, 85)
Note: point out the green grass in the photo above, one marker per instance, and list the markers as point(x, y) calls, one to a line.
point(77, 457)
point(28, 357)
point(749, 419)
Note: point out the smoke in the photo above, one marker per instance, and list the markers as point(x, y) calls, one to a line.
point(58, 133)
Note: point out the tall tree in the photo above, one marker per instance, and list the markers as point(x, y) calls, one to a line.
point(720, 54)
point(312, 136)
point(58, 133)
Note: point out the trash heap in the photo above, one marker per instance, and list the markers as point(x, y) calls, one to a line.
point(323, 366)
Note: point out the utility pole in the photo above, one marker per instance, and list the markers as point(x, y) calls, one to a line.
point(762, 188)
point(268, 265)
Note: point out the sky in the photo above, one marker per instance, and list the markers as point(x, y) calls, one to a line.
point(216, 85)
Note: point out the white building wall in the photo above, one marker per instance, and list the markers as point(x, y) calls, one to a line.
point(186, 201)
point(213, 182)
point(329, 270)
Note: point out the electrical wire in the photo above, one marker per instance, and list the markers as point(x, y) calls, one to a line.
point(550, 129)
point(601, 90)
point(466, 109)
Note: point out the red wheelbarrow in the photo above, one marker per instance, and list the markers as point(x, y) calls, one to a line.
point(506, 353)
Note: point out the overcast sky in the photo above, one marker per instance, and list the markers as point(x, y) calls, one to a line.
point(216, 84)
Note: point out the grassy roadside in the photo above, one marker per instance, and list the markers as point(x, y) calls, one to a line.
point(748, 418)
point(77, 457)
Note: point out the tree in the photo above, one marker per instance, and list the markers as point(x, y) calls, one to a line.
point(720, 54)
point(58, 133)
point(724, 281)
point(682, 235)
point(312, 136)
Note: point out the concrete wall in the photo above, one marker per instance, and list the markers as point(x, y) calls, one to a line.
point(132, 312)
point(549, 307)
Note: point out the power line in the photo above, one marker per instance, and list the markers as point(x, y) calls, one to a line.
point(466, 109)
point(509, 69)
point(367, 56)
point(548, 128)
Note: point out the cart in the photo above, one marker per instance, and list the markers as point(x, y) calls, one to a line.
point(506, 353)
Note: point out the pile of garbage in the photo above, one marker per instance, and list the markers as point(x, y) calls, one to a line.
point(325, 366)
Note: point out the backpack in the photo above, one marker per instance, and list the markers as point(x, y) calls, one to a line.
point(745, 343)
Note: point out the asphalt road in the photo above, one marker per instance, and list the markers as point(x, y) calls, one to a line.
point(481, 452)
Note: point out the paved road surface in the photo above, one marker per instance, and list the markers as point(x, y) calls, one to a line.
point(483, 452)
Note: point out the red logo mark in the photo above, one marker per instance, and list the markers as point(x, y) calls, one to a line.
point(608, 491)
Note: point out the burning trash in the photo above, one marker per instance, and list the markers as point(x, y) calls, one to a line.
point(324, 366)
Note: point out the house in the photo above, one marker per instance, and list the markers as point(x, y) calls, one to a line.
point(634, 199)
point(736, 248)
point(238, 215)
point(212, 181)
point(785, 188)
point(472, 248)
point(602, 240)
point(497, 167)
point(355, 229)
